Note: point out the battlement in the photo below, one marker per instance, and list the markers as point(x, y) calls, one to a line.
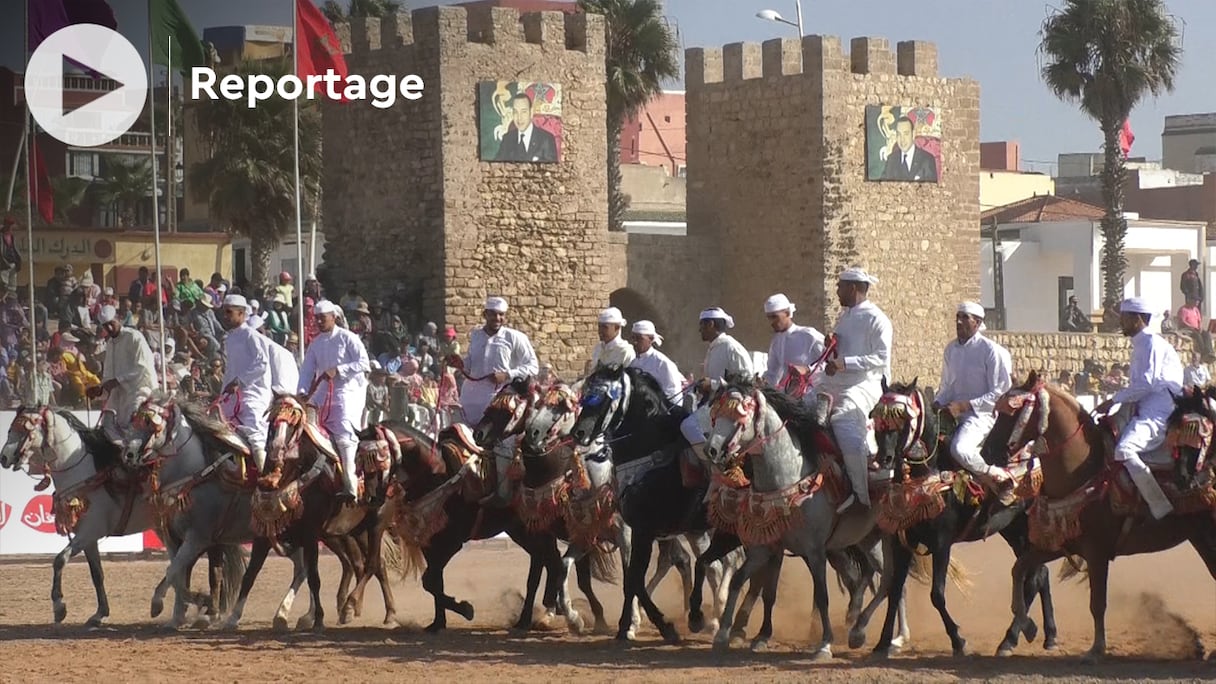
point(814, 55)
point(449, 25)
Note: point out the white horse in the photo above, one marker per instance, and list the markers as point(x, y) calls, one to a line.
point(786, 506)
point(94, 497)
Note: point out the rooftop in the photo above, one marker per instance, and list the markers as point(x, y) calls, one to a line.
point(1043, 209)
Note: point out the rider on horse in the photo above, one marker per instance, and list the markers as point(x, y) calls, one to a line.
point(794, 348)
point(655, 363)
point(1156, 376)
point(725, 355)
point(340, 356)
point(497, 355)
point(129, 373)
point(249, 367)
point(612, 349)
point(854, 376)
point(975, 373)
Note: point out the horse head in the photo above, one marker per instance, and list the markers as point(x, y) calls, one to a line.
point(508, 410)
point(28, 434)
point(288, 418)
point(603, 404)
point(904, 429)
point(735, 416)
point(152, 428)
point(551, 419)
point(1189, 434)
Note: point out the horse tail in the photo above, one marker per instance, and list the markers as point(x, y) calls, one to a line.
point(851, 563)
point(391, 558)
point(1074, 567)
point(603, 564)
point(412, 560)
point(921, 571)
point(234, 564)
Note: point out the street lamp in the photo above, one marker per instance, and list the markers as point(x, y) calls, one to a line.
point(774, 15)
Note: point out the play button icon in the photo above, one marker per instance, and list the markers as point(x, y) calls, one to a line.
point(111, 112)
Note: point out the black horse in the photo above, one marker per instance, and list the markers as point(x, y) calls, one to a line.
point(913, 444)
point(1190, 427)
point(642, 429)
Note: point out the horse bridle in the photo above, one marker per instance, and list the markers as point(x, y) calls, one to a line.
point(153, 419)
point(905, 414)
point(1021, 404)
point(557, 397)
point(617, 393)
point(516, 405)
point(30, 421)
point(738, 407)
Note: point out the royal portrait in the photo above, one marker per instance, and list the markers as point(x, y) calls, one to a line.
point(903, 143)
point(521, 121)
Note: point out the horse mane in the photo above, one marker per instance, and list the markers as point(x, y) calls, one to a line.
point(201, 424)
point(104, 452)
point(799, 419)
point(643, 383)
point(1188, 402)
point(522, 386)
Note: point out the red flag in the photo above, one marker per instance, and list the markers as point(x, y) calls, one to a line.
point(1126, 137)
point(317, 47)
point(42, 192)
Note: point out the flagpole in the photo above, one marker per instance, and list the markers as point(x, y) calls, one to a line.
point(295, 106)
point(29, 134)
point(12, 177)
point(160, 278)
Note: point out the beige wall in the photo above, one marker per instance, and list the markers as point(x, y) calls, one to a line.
point(407, 200)
point(112, 252)
point(1054, 352)
point(777, 179)
point(998, 188)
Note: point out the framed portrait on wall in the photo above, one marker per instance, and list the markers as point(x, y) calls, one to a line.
point(520, 121)
point(903, 143)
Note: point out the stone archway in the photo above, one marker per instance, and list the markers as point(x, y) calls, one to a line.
point(635, 307)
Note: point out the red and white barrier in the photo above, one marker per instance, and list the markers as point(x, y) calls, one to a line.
point(27, 518)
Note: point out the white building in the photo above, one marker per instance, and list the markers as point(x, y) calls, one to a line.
point(1051, 248)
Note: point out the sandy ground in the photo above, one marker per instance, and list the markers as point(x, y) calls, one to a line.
point(1160, 605)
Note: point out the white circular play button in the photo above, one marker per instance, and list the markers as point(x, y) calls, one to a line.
point(104, 52)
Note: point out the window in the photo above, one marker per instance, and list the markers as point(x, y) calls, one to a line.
point(667, 119)
point(238, 263)
point(82, 164)
point(682, 171)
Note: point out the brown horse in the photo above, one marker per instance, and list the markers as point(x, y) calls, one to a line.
point(1075, 515)
point(295, 506)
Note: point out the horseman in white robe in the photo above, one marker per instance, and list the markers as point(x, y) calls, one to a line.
point(128, 374)
point(724, 355)
point(1156, 375)
point(248, 384)
point(794, 345)
point(853, 377)
point(337, 361)
point(646, 341)
point(284, 371)
point(612, 348)
point(975, 373)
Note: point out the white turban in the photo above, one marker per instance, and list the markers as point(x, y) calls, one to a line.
point(107, 314)
point(857, 275)
point(255, 321)
point(496, 304)
point(236, 300)
point(647, 328)
point(717, 312)
point(612, 315)
point(971, 309)
point(326, 307)
point(253, 303)
point(1135, 305)
point(779, 302)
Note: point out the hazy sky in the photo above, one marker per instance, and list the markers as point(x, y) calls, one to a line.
point(992, 41)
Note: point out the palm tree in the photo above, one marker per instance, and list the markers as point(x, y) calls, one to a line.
point(641, 53)
point(336, 14)
point(123, 185)
point(69, 193)
point(247, 175)
point(1107, 55)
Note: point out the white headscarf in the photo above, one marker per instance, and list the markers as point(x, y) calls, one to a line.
point(717, 312)
point(647, 328)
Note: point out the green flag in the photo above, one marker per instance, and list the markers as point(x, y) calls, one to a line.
point(170, 22)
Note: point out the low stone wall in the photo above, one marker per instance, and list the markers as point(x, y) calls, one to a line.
point(1054, 352)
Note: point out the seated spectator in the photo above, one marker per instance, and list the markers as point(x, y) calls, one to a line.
point(1189, 317)
point(1167, 324)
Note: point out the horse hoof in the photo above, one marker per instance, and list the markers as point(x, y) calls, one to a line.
point(721, 646)
point(158, 607)
point(1004, 651)
point(823, 655)
point(960, 650)
point(857, 639)
point(95, 621)
point(318, 628)
point(1031, 632)
point(696, 622)
point(434, 628)
point(304, 623)
point(346, 616)
point(624, 637)
point(759, 645)
point(574, 622)
point(201, 622)
point(1050, 643)
point(390, 620)
point(280, 624)
point(880, 653)
point(465, 610)
point(1092, 658)
point(602, 628)
point(61, 612)
point(670, 635)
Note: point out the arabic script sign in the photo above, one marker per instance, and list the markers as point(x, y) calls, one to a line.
point(63, 247)
point(5, 511)
point(39, 514)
